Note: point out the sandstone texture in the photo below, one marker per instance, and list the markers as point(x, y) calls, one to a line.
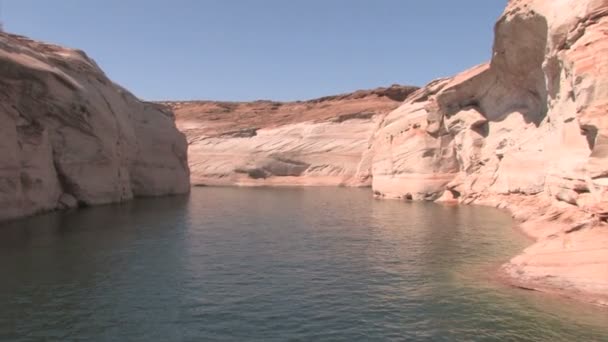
point(527, 132)
point(319, 142)
point(71, 137)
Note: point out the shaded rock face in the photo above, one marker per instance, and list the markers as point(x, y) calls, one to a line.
point(70, 137)
point(528, 132)
point(325, 141)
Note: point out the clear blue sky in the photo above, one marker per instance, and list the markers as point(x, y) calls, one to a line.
point(264, 49)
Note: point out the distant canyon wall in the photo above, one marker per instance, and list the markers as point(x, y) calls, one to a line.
point(320, 142)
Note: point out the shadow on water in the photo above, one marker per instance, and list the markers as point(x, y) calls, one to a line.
point(109, 219)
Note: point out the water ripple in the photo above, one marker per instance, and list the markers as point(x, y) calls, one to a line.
point(273, 265)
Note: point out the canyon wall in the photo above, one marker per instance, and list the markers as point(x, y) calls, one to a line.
point(318, 142)
point(527, 132)
point(71, 137)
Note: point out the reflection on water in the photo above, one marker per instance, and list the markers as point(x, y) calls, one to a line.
point(273, 264)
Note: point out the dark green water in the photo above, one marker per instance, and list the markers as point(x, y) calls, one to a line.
point(274, 265)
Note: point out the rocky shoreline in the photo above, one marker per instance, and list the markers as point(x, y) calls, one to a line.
point(556, 262)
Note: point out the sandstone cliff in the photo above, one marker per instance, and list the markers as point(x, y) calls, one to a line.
point(71, 137)
point(317, 142)
point(528, 132)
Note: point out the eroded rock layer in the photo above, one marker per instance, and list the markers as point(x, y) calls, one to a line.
point(527, 132)
point(72, 137)
point(318, 142)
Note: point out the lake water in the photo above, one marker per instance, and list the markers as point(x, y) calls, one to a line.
point(274, 265)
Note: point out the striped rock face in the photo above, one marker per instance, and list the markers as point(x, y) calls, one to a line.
point(324, 141)
point(527, 131)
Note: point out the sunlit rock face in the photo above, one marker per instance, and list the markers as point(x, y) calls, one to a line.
point(528, 131)
point(70, 137)
point(319, 142)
